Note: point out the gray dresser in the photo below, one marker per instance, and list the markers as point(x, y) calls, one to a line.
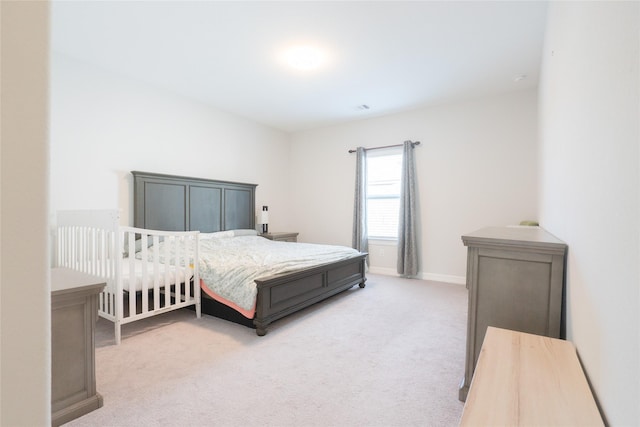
point(74, 311)
point(515, 278)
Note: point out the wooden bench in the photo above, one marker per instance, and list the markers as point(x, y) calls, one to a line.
point(523, 379)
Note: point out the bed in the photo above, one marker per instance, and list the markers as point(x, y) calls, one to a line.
point(140, 282)
point(176, 203)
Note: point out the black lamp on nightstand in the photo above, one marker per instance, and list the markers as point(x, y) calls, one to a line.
point(264, 219)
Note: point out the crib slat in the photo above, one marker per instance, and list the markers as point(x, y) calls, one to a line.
point(132, 274)
point(153, 270)
point(167, 267)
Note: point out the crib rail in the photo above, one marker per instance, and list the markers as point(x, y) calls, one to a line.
point(165, 268)
point(147, 272)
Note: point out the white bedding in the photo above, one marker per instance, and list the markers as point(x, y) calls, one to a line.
point(176, 274)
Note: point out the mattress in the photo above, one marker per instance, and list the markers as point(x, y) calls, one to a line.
point(134, 282)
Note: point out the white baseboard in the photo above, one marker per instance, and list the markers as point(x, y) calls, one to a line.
point(447, 278)
point(384, 271)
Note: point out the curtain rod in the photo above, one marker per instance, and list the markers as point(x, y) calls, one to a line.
point(413, 144)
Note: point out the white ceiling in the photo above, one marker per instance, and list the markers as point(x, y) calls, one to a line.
point(392, 56)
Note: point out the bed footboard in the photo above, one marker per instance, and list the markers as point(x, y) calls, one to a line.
point(281, 295)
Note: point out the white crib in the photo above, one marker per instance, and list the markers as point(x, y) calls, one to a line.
point(140, 280)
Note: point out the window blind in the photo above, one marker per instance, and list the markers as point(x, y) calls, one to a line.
point(383, 193)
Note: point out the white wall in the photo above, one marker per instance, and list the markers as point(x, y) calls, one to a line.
point(103, 126)
point(589, 188)
point(476, 166)
point(25, 372)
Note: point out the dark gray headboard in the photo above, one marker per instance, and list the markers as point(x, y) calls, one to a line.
point(178, 203)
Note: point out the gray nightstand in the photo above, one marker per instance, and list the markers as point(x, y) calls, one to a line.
point(74, 310)
point(281, 236)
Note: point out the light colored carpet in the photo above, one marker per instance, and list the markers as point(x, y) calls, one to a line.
point(391, 354)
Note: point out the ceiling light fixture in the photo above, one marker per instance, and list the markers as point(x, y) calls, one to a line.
point(304, 57)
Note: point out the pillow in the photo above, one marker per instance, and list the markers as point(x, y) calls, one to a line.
point(247, 232)
point(216, 235)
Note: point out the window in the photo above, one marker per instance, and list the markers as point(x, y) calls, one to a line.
point(384, 169)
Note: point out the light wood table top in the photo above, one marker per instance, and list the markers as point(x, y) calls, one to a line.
point(528, 380)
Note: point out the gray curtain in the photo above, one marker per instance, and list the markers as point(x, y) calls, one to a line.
point(407, 247)
point(360, 239)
